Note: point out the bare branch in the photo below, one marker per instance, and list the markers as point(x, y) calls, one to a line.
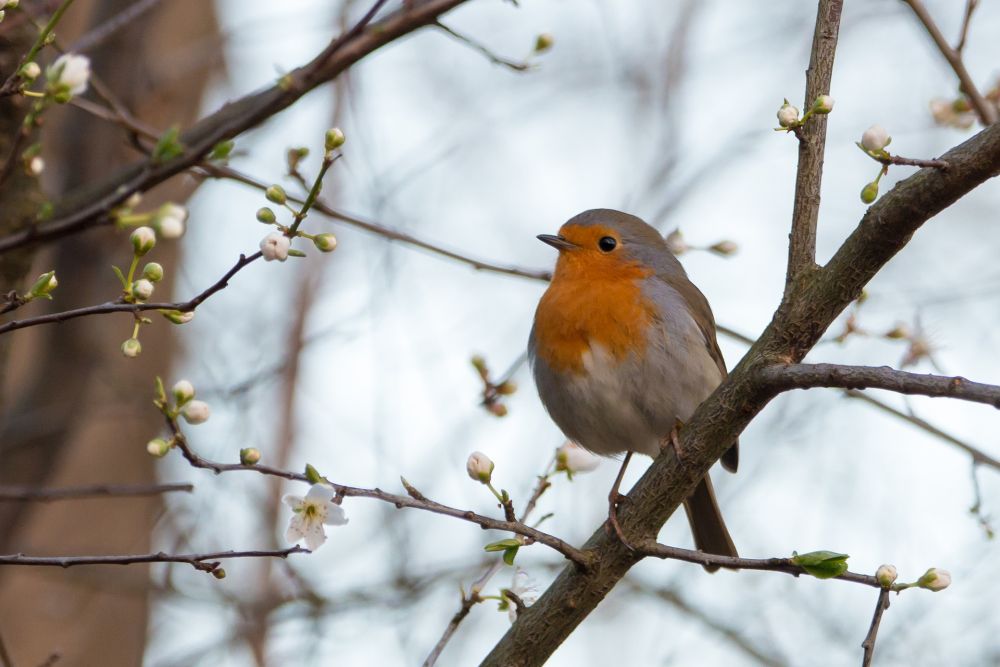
point(30, 493)
point(970, 7)
point(987, 112)
point(869, 643)
point(812, 143)
point(208, 562)
point(806, 376)
point(476, 46)
point(913, 162)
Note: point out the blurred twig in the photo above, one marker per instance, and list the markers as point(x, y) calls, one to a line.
point(31, 493)
point(207, 562)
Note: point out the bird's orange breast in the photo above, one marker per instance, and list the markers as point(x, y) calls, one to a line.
point(592, 301)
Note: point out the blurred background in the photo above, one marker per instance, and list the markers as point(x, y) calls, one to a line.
point(358, 362)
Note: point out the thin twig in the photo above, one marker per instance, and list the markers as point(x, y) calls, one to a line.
point(468, 602)
point(987, 112)
point(805, 376)
point(869, 643)
point(970, 7)
point(29, 493)
point(208, 562)
point(473, 44)
point(108, 28)
point(122, 307)
point(415, 500)
point(978, 456)
point(913, 162)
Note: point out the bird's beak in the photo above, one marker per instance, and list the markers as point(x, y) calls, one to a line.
point(557, 242)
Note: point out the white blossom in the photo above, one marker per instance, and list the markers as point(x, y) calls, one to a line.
point(523, 586)
point(183, 391)
point(275, 246)
point(195, 412)
point(875, 139)
point(935, 580)
point(787, 115)
point(142, 290)
point(70, 72)
point(311, 513)
point(480, 467)
point(573, 458)
point(886, 575)
point(169, 220)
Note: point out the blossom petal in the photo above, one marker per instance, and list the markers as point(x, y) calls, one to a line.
point(320, 493)
point(335, 515)
point(315, 537)
point(293, 501)
point(295, 530)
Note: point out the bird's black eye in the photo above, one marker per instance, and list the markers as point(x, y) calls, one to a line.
point(607, 243)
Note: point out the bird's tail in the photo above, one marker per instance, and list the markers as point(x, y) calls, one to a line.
point(707, 524)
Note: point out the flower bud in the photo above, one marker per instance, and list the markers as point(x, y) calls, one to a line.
point(219, 573)
point(68, 76)
point(675, 243)
point(36, 166)
point(178, 317)
point(142, 289)
point(276, 194)
point(788, 115)
point(158, 447)
point(30, 71)
point(44, 285)
point(935, 580)
point(152, 272)
point(195, 412)
point(143, 239)
point(131, 348)
point(334, 139)
point(870, 192)
point(506, 388)
point(886, 575)
point(480, 467)
point(544, 42)
point(275, 246)
point(266, 215)
point(497, 409)
point(823, 104)
point(325, 242)
point(875, 139)
point(183, 392)
point(898, 332)
point(169, 220)
point(724, 248)
point(249, 456)
point(572, 458)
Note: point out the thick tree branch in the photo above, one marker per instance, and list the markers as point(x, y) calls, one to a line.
point(798, 324)
point(807, 376)
point(812, 143)
point(93, 207)
point(987, 112)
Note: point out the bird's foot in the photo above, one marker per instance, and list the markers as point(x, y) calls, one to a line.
point(614, 500)
point(673, 441)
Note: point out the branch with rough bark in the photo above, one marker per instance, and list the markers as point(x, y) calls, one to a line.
point(809, 307)
point(809, 376)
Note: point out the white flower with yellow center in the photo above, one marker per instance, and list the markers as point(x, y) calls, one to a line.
point(311, 513)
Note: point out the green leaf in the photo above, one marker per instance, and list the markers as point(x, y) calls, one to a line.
point(822, 564)
point(121, 276)
point(503, 545)
point(509, 554)
point(161, 393)
point(169, 145)
point(292, 252)
point(222, 150)
point(313, 475)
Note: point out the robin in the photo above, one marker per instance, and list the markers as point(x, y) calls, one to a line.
point(623, 351)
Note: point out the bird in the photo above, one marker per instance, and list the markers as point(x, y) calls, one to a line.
point(623, 350)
